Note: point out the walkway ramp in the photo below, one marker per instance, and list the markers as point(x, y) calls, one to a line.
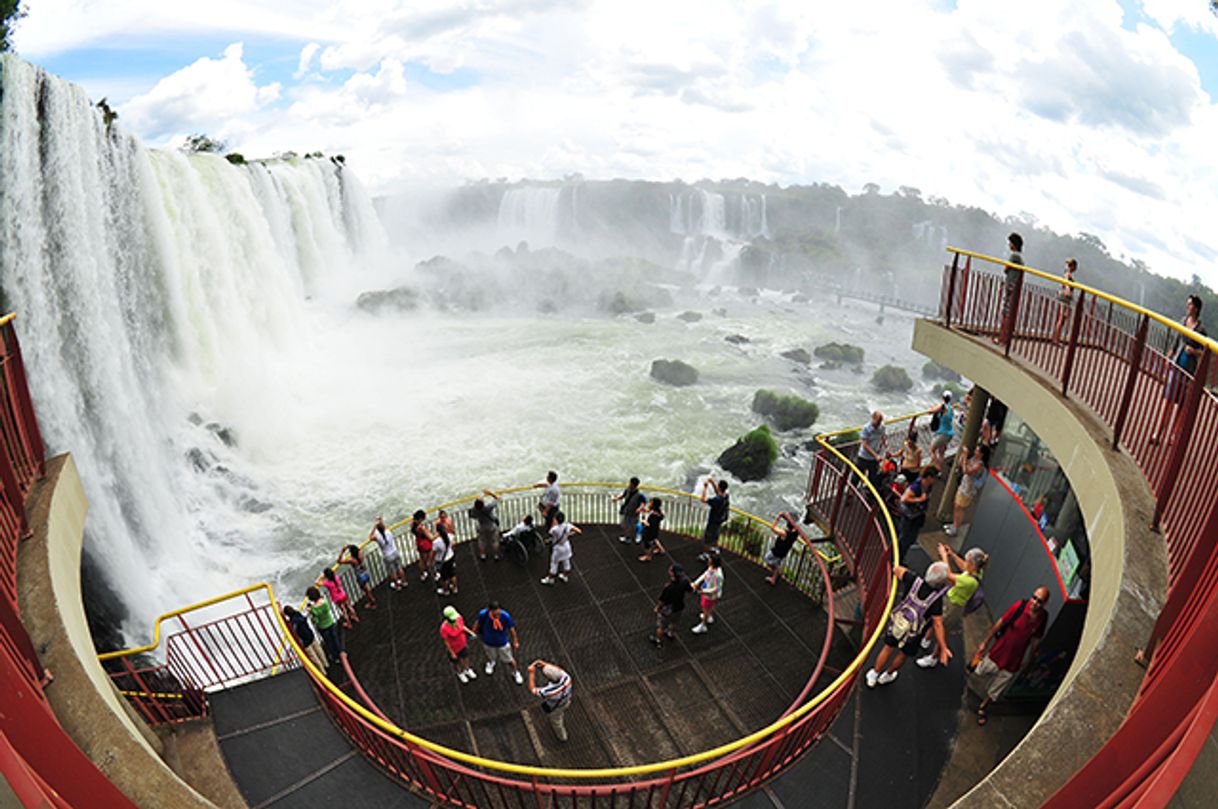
point(283, 751)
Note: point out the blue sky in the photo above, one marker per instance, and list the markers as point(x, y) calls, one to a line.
point(1093, 115)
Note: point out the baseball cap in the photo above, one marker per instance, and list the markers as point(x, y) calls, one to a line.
point(451, 615)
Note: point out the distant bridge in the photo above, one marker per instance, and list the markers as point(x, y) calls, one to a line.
point(883, 301)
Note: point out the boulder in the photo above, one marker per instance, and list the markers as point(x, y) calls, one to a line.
point(674, 372)
point(798, 355)
point(736, 339)
point(891, 378)
point(380, 301)
point(785, 412)
point(646, 317)
point(839, 353)
point(933, 370)
point(690, 317)
point(751, 457)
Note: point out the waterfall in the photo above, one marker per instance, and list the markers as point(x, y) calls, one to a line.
point(704, 217)
point(529, 214)
point(143, 282)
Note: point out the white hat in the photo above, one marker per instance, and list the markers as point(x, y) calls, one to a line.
point(901, 479)
point(947, 395)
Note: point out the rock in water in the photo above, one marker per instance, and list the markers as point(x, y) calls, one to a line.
point(380, 301)
point(891, 378)
point(646, 317)
point(798, 355)
point(690, 317)
point(674, 372)
point(751, 457)
point(840, 353)
point(736, 339)
point(785, 412)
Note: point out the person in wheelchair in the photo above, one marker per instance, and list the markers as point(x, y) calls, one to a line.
point(522, 539)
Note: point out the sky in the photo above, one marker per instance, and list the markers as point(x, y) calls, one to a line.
point(1094, 116)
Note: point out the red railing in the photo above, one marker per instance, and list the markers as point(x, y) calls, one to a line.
point(1119, 360)
point(201, 656)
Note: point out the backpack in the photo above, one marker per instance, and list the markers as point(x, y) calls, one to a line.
point(1002, 630)
point(935, 419)
point(909, 617)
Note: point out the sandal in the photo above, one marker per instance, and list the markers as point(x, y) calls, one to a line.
point(982, 718)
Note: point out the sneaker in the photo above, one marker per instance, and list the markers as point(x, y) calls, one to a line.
point(470, 674)
point(490, 667)
point(949, 530)
point(548, 580)
point(482, 557)
point(926, 642)
point(440, 591)
point(654, 641)
point(887, 677)
point(461, 676)
point(562, 577)
point(710, 619)
point(423, 578)
point(927, 662)
point(670, 636)
point(872, 678)
point(498, 558)
point(622, 540)
point(702, 557)
point(638, 540)
point(700, 629)
point(518, 677)
point(437, 576)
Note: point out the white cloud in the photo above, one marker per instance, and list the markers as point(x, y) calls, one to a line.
point(1057, 109)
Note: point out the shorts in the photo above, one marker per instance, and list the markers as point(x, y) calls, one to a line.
point(363, 578)
point(448, 569)
point(1177, 385)
point(666, 619)
point(941, 440)
point(423, 546)
point(999, 679)
point(503, 653)
point(773, 561)
point(711, 537)
point(912, 647)
point(460, 654)
point(393, 563)
point(963, 500)
point(708, 604)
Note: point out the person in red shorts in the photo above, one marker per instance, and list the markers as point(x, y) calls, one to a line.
point(455, 635)
point(423, 539)
point(1019, 629)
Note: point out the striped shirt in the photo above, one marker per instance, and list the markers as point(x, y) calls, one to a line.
point(558, 690)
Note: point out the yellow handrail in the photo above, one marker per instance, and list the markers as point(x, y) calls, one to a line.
point(821, 437)
point(522, 769)
point(1133, 307)
point(7, 319)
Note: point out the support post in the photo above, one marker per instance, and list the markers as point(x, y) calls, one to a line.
point(1072, 348)
point(1135, 362)
point(968, 441)
point(1183, 432)
point(951, 291)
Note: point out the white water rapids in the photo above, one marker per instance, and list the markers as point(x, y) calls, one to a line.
point(166, 301)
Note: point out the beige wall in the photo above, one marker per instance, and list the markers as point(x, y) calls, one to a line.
point(1128, 576)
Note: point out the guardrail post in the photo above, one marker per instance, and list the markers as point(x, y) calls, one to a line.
point(1184, 431)
point(21, 391)
point(1073, 346)
point(951, 291)
point(1135, 363)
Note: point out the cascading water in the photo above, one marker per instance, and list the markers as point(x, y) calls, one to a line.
point(148, 286)
point(708, 219)
point(529, 214)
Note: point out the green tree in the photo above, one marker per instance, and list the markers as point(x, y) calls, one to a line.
point(10, 13)
point(204, 143)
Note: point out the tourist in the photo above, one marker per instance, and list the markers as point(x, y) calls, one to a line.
point(1065, 297)
point(444, 521)
point(446, 561)
point(305, 637)
point(352, 555)
point(338, 596)
point(523, 532)
point(960, 599)
point(709, 587)
point(873, 446)
point(496, 628)
point(720, 507)
point(943, 423)
point(911, 453)
point(486, 520)
point(1010, 281)
point(899, 484)
point(652, 515)
point(555, 693)
point(972, 478)
point(1184, 364)
point(670, 605)
point(777, 554)
point(1017, 632)
point(560, 548)
point(921, 606)
point(632, 503)
point(549, 498)
point(423, 539)
point(995, 419)
point(327, 625)
point(389, 553)
point(913, 504)
point(456, 635)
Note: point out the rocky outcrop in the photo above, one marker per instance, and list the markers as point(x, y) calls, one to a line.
point(674, 372)
point(752, 456)
point(785, 412)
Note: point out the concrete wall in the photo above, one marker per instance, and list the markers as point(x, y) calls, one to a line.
point(1128, 572)
point(97, 718)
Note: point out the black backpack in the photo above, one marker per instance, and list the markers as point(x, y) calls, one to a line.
point(935, 419)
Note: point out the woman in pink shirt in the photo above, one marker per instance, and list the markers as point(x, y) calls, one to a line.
point(338, 597)
point(455, 635)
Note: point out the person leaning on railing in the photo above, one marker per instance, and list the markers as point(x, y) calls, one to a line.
point(1183, 366)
